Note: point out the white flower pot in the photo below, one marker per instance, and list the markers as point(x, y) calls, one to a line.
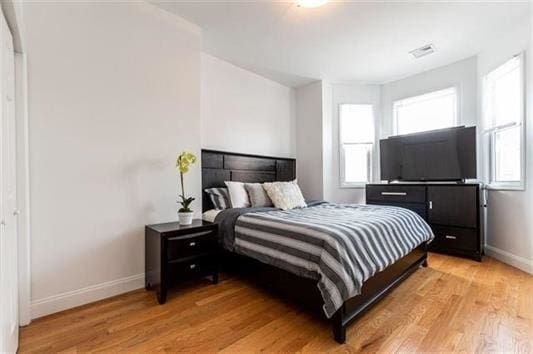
point(185, 218)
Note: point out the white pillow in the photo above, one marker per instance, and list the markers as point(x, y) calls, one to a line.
point(285, 195)
point(238, 195)
point(258, 195)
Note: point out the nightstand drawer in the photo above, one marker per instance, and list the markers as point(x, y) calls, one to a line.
point(455, 238)
point(190, 268)
point(191, 245)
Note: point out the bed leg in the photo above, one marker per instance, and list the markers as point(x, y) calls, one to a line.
point(339, 331)
point(425, 263)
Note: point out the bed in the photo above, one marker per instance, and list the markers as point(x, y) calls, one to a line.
point(336, 259)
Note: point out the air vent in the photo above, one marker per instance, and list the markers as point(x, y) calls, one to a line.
point(423, 51)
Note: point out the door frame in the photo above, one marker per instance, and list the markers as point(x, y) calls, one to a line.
point(12, 12)
point(23, 190)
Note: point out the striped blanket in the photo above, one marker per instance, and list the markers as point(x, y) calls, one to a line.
point(339, 245)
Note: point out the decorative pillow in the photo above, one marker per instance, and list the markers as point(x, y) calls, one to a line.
point(285, 195)
point(258, 196)
point(238, 195)
point(219, 197)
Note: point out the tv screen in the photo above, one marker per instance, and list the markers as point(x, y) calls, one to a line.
point(438, 155)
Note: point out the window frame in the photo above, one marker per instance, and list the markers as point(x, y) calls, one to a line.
point(489, 133)
point(457, 111)
point(371, 152)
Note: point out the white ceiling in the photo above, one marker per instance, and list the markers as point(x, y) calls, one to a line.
point(346, 41)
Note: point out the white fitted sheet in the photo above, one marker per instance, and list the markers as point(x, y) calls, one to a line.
point(210, 215)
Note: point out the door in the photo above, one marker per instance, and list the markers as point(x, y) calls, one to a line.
point(453, 206)
point(8, 197)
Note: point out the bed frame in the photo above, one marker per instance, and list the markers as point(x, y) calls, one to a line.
point(218, 166)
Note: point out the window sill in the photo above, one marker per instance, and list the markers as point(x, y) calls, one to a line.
point(505, 187)
point(354, 186)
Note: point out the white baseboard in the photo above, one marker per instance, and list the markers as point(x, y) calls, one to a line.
point(513, 260)
point(101, 291)
point(70, 299)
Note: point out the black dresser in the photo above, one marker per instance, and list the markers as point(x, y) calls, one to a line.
point(454, 212)
point(174, 253)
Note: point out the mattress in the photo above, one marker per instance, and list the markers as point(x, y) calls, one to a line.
point(210, 215)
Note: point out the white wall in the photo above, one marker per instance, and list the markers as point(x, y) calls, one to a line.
point(309, 135)
point(114, 94)
point(245, 112)
point(510, 222)
point(328, 182)
point(317, 137)
point(356, 94)
point(461, 74)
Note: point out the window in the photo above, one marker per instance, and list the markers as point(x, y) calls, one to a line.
point(503, 111)
point(434, 110)
point(356, 137)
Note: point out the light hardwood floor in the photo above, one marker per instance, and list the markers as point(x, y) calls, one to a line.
point(453, 305)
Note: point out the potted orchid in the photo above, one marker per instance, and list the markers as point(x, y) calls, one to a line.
point(185, 214)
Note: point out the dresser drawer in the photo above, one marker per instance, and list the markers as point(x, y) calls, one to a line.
point(191, 245)
point(455, 238)
point(190, 268)
point(398, 194)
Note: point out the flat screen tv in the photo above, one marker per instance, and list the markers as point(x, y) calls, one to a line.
point(437, 155)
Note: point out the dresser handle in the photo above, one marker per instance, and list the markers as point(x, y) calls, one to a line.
point(450, 237)
point(192, 266)
point(394, 193)
point(192, 244)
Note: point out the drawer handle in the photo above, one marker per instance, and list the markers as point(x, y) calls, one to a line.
point(192, 244)
point(394, 193)
point(192, 266)
point(450, 237)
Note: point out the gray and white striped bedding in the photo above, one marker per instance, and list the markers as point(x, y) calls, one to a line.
point(219, 197)
point(339, 245)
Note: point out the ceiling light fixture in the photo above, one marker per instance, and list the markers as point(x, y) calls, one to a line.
point(423, 51)
point(310, 3)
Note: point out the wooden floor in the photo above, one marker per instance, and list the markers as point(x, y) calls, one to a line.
point(453, 305)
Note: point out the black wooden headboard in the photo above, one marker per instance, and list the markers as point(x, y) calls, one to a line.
point(220, 166)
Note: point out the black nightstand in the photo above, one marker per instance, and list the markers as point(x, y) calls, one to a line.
point(175, 252)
